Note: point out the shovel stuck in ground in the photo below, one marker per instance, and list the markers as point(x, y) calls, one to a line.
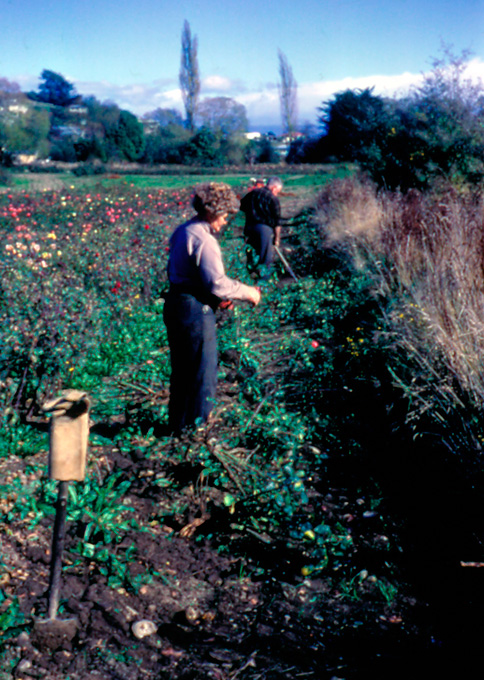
point(69, 430)
point(53, 631)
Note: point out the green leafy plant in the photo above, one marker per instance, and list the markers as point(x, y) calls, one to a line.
point(101, 510)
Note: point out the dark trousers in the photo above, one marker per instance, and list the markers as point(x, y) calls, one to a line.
point(193, 353)
point(261, 238)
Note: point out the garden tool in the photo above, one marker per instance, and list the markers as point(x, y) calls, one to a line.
point(285, 263)
point(69, 429)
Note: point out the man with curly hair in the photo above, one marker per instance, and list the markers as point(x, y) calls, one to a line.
point(198, 284)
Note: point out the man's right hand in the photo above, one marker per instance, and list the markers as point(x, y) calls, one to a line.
point(254, 295)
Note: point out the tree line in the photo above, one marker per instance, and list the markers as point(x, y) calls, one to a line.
point(435, 131)
point(57, 122)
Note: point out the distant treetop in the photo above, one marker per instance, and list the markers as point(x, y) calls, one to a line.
point(54, 89)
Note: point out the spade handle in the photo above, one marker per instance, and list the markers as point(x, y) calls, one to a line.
point(57, 549)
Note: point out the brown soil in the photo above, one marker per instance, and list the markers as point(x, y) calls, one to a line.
point(243, 613)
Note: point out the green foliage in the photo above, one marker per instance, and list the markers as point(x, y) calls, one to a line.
point(101, 510)
point(356, 587)
point(167, 145)
point(128, 136)
point(54, 89)
point(351, 120)
point(12, 620)
point(91, 318)
point(16, 436)
point(436, 132)
point(76, 265)
point(357, 125)
point(27, 132)
point(165, 117)
point(448, 110)
point(203, 149)
point(261, 151)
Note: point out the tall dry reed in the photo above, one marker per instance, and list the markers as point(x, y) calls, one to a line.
point(424, 254)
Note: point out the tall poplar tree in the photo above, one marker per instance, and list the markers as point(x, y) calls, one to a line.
point(287, 95)
point(189, 74)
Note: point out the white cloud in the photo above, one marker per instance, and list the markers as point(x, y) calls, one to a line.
point(26, 82)
point(475, 70)
point(138, 98)
point(216, 83)
point(262, 104)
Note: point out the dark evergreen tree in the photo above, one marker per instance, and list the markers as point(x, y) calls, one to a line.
point(129, 136)
point(54, 89)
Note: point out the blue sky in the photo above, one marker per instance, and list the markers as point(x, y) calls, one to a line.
point(129, 52)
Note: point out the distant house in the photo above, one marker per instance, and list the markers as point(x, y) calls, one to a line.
point(77, 110)
point(291, 137)
point(74, 131)
point(252, 135)
point(286, 140)
point(18, 109)
point(150, 126)
point(25, 158)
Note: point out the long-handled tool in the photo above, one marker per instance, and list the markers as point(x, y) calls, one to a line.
point(67, 458)
point(285, 263)
point(52, 631)
point(57, 549)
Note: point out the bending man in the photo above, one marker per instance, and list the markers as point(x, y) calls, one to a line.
point(262, 222)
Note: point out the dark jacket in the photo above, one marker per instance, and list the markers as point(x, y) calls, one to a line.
point(261, 207)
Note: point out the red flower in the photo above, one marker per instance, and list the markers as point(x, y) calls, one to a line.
point(116, 288)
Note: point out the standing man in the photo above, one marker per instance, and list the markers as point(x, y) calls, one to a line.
point(262, 223)
point(198, 284)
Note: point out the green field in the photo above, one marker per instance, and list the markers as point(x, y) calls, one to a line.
point(293, 178)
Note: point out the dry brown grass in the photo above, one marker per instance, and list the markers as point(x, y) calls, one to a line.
point(348, 209)
point(425, 256)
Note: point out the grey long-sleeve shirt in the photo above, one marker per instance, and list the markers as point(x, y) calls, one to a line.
point(196, 262)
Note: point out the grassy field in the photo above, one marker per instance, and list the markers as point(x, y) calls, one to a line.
point(304, 179)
